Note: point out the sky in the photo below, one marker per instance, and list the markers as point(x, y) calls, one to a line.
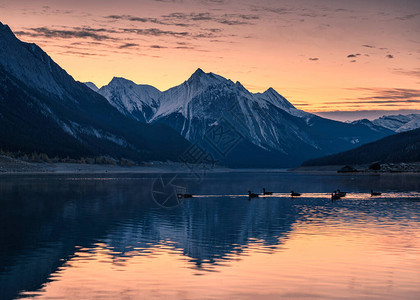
point(329, 56)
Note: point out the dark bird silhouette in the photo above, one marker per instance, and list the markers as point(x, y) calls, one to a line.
point(294, 194)
point(341, 194)
point(185, 195)
point(372, 193)
point(252, 195)
point(335, 196)
point(265, 193)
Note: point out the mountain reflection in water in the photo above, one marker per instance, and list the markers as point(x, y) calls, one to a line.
point(106, 237)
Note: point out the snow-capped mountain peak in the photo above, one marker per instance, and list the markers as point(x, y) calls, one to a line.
point(177, 99)
point(272, 97)
point(410, 125)
point(277, 99)
point(204, 98)
point(138, 101)
point(199, 79)
point(396, 123)
point(267, 121)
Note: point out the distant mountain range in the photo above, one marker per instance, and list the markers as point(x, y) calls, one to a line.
point(399, 148)
point(396, 123)
point(44, 109)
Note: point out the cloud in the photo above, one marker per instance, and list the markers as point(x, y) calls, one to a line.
point(415, 72)
point(351, 55)
point(87, 43)
point(275, 10)
point(389, 56)
point(146, 20)
point(128, 45)
point(368, 46)
point(156, 32)
point(313, 58)
point(79, 53)
point(83, 33)
point(189, 19)
point(211, 2)
point(408, 17)
point(112, 34)
point(157, 47)
point(302, 12)
point(344, 115)
point(185, 47)
point(399, 102)
point(384, 96)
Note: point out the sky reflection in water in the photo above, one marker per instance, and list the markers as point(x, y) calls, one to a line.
point(77, 237)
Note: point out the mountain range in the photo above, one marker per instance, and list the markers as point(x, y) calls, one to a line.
point(271, 131)
point(43, 109)
point(396, 123)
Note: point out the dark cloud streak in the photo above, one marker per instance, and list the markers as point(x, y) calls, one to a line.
point(415, 72)
point(128, 45)
point(76, 32)
point(189, 19)
point(384, 96)
point(408, 17)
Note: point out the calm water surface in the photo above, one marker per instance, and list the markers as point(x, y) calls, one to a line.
point(85, 237)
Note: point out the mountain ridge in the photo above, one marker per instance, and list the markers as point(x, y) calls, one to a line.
point(43, 109)
point(266, 120)
point(396, 123)
point(398, 148)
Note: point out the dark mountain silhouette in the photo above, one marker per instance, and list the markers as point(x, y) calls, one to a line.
point(399, 148)
point(43, 109)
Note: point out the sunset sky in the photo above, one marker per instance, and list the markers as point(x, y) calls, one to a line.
point(326, 55)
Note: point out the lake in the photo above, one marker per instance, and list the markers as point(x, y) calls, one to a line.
point(128, 237)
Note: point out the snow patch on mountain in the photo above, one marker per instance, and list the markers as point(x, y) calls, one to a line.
point(411, 125)
point(267, 120)
point(399, 123)
point(135, 100)
point(273, 97)
point(367, 123)
point(77, 130)
point(177, 99)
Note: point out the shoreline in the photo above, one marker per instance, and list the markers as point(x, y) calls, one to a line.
point(386, 168)
point(11, 166)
